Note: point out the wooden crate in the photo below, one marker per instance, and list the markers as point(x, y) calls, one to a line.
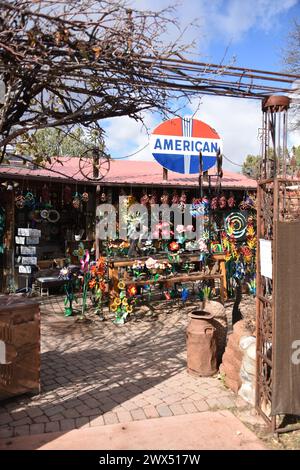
point(19, 346)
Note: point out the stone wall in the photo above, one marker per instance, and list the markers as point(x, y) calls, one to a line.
point(238, 362)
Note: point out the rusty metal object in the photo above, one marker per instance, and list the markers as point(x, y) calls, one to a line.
point(278, 207)
point(276, 103)
point(20, 346)
point(201, 345)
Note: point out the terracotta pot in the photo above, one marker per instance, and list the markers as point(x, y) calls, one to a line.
point(201, 345)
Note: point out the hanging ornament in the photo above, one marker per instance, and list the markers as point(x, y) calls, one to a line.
point(153, 199)
point(76, 201)
point(164, 198)
point(182, 202)
point(20, 201)
point(205, 202)
point(231, 201)
point(222, 202)
point(44, 214)
point(130, 200)
point(45, 194)
point(175, 198)
point(67, 195)
point(214, 204)
point(183, 197)
point(85, 196)
point(198, 208)
point(247, 203)
point(29, 199)
point(103, 197)
point(144, 199)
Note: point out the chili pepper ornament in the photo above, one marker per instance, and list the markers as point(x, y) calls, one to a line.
point(214, 204)
point(231, 201)
point(222, 202)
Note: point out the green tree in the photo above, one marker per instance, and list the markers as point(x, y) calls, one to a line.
point(251, 166)
point(295, 154)
point(53, 142)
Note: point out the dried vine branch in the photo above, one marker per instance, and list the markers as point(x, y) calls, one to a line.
point(70, 62)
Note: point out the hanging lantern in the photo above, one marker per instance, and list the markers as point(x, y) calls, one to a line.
point(85, 196)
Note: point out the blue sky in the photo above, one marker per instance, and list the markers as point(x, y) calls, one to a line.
point(254, 32)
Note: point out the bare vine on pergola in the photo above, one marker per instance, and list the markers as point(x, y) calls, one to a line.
point(69, 62)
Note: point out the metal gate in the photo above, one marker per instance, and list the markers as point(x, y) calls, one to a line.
point(278, 326)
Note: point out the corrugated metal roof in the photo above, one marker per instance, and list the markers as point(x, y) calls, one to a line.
point(123, 172)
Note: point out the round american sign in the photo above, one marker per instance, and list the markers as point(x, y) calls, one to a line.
point(176, 145)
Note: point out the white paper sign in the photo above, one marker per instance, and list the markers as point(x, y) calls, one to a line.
point(28, 250)
point(29, 260)
point(29, 232)
point(265, 248)
point(24, 269)
point(20, 240)
point(32, 240)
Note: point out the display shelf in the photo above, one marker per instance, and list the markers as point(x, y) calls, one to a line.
point(115, 264)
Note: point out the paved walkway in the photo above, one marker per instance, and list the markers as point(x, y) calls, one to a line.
point(207, 430)
point(97, 374)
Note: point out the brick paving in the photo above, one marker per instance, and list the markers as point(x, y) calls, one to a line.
point(96, 373)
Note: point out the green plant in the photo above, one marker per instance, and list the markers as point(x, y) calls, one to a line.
point(206, 293)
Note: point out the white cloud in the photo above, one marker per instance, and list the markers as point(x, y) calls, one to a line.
point(125, 136)
point(237, 121)
point(225, 19)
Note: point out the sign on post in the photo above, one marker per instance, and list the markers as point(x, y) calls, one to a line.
point(176, 145)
